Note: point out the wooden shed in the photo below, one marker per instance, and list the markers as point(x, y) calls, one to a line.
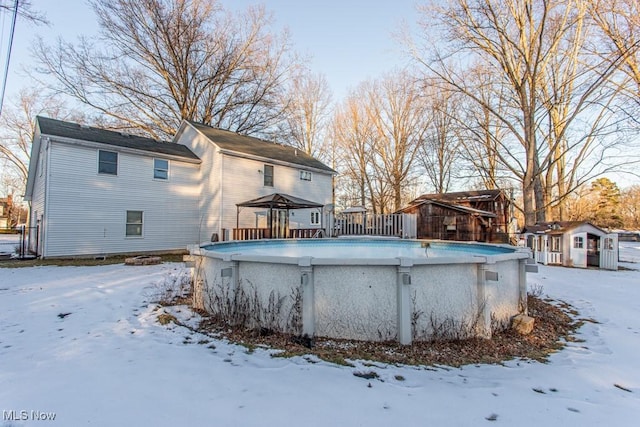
point(481, 216)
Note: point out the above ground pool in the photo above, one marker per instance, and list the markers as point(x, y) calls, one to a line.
point(362, 288)
point(356, 248)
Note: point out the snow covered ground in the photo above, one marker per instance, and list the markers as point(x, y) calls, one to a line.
point(83, 344)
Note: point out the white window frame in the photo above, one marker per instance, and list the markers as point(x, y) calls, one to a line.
point(127, 224)
point(265, 175)
point(306, 175)
point(556, 244)
point(578, 242)
point(117, 163)
point(608, 244)
point(156, 169)
point(315, 218)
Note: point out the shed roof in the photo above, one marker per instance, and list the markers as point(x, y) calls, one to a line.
point(464, 209)
point(459, 196)
point(233, 141)
point(76, 131)
point(556, 227)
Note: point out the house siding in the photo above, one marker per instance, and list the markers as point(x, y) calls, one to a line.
point(38, 196)
point(206, 181)
point(86, 212)
point(244, 181)
point(227, 180)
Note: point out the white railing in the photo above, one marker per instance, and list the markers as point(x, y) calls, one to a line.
point(358, 224)
point(554, 258)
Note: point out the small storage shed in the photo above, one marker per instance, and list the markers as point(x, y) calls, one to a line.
point(482, 215)
point(571, 244)
point(447, 221)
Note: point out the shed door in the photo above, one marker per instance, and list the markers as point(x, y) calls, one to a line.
point(579, 249)
point(609, 252)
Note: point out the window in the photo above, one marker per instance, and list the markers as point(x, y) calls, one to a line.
point(107, 162)
point(268, 176)
point(315, 218)
point(555, 243)
point(578, 242)
point(449, 222)
point(608, 244)
point(305, 176)
point(134, 224)
point(160, 169)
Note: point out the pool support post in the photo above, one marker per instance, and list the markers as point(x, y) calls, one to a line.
point(403, 287)
point(308, 297)
point(484, 313)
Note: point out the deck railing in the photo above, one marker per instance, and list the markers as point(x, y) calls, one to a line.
point(393, 225)
point(263, 233)
point(251, 233)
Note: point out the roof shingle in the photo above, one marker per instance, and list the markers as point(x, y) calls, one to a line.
point(86, 133)
point(232, 141)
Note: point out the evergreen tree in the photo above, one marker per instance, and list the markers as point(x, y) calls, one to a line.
point(606, 211)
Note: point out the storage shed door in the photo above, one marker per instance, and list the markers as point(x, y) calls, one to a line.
point(579, 249)
point(609, 252)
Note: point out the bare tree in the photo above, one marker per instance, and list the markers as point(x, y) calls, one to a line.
point(630, 207)
point(157, 62)
point(354, 135)
point(17, 124)
point(619, 21)
point(25, 11)
point(401, 116)
point(484, 145)
point(522, 42)
point(308, 102)
point(440, 152)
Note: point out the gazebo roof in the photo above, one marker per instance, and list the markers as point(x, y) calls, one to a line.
point(279, 201)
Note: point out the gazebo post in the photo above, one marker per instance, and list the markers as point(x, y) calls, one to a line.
point(237, 221)
point(286, 225)
point(270, 230)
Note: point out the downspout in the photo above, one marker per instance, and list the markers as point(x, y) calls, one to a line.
point(44, 232)
point(221, 187)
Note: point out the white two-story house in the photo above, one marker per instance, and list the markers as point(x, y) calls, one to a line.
point(94, 192)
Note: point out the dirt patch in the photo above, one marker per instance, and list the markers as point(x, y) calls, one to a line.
point(80, 262)
point(553, 327)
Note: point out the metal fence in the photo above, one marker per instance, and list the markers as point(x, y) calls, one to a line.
point(27, 236)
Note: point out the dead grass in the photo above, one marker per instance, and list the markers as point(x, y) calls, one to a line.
point(80, 262)
point(554, 326)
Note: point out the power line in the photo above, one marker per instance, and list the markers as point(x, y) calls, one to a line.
point(6, 65)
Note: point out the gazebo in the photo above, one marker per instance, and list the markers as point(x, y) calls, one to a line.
point(281, 203)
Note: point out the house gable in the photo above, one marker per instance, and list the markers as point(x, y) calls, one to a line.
point(234, 170)
point(80, 211)
point(232, 143)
